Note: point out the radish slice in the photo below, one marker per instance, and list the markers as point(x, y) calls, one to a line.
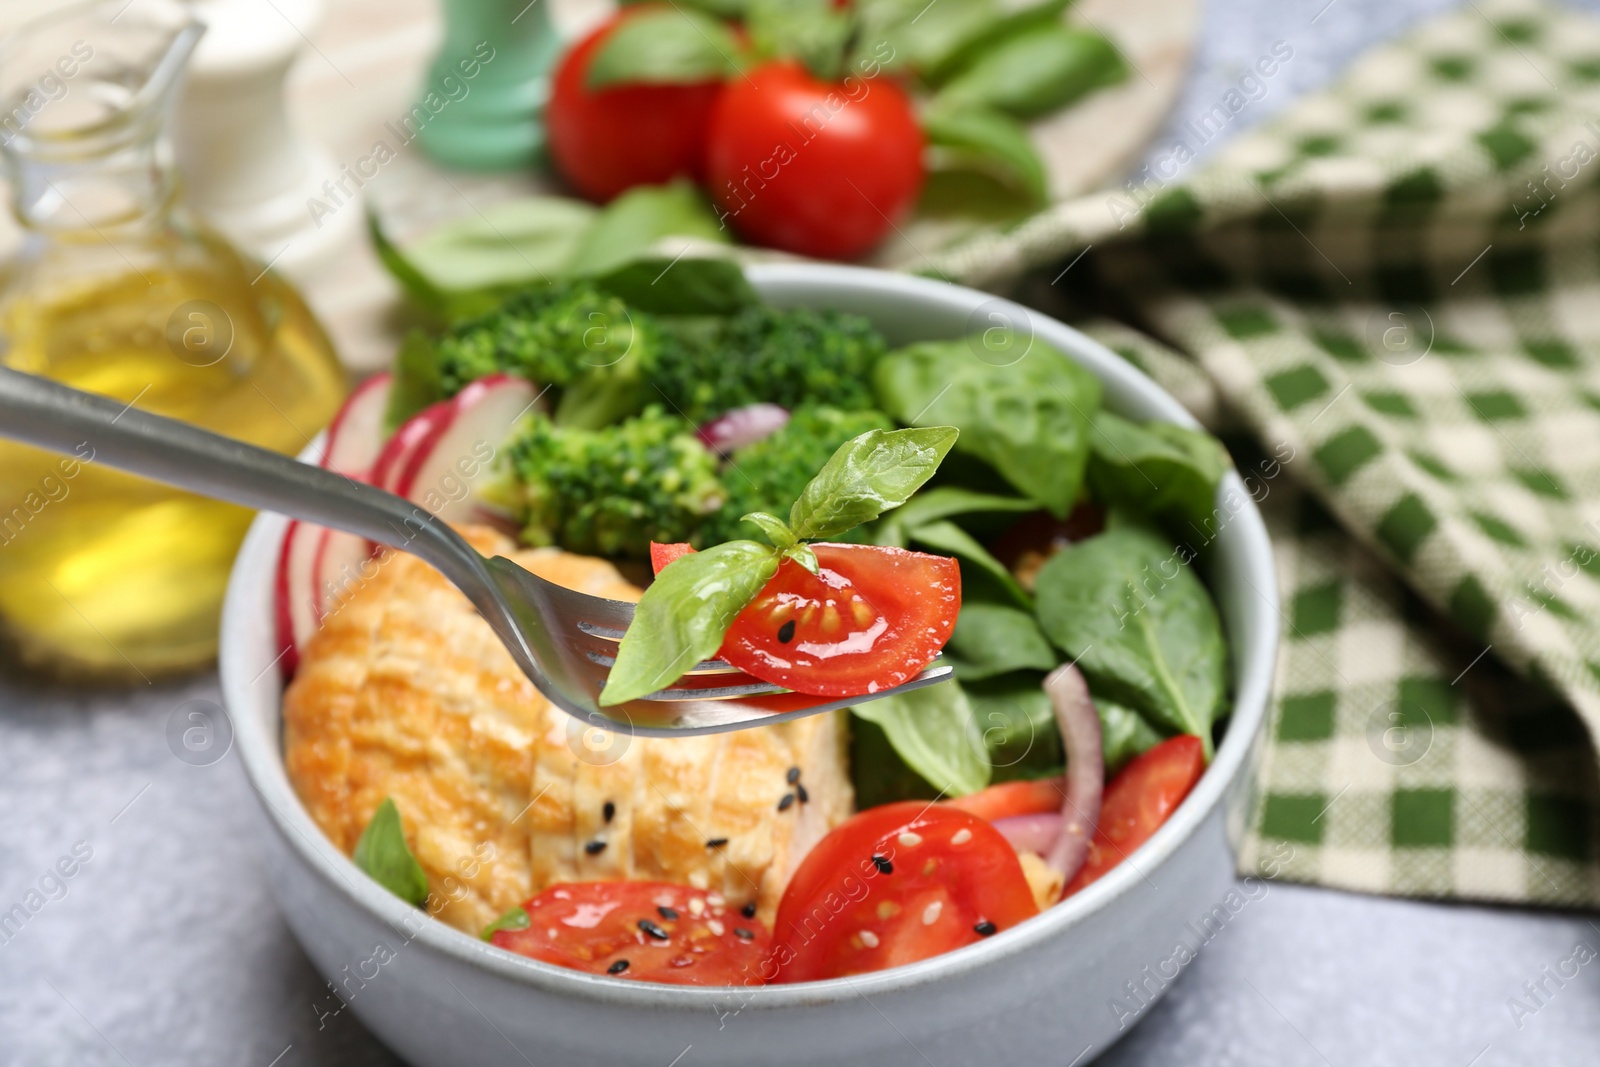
point(1030, 833)
point(734, 429)
point(1079, 724)
point(297, 602)
point(460, 440)
point(355, 437)
point(389, 468)
point(344, 562)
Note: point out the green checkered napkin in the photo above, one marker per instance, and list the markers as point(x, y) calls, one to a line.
point(1389, 301)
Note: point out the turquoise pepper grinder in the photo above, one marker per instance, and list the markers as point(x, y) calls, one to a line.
point(486, 89)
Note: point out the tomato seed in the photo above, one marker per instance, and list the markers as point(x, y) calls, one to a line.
point(786, 632)
point(617, 967)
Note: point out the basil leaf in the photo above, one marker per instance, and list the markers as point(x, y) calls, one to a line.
point(801, 553)
point(417, 382)
point(636, 220)
point(946, 501)
point(1026, 416)
point(1126, 605)
point(665, 46)
point(515, 919)
point(683, 615)
point(812, 31)
point(985, 140)
point(867, 476)
point(993, 32)
point(952, 540)
point(1018, 724)
point(916, 34)
point(1158, 470)
point(505, 246)
point(934, 731)
point(1036, 72)
point(776, 529)
point(1124, 733)
point(992, 639)
point(685, 286)
point(382, 853)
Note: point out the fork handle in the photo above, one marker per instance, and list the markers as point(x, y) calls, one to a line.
point(58, 418)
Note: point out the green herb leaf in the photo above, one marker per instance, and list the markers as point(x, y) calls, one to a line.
point(802, 554)
point(944, 502)
point(683, 615)
point(992, 639)
point(383, 854)
point(867, 476)
point(665, 46)
point(812, 31)
point(952, 540)
point(515, 919)
point(1124, 733)
point(1127, 607)
point(934, 731)
point(416, 380)
point(688, 285)
point(722, 9)
point(632, 223)
point(985, 140)
point(1018, 724)
point(1036, 72)
point(995, 31)
point(776, 529)
point(508, 245)
point(1165, 472)
point(917, 35)
point(1027, 416)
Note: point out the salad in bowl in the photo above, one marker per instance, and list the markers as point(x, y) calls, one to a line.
point(825, 478)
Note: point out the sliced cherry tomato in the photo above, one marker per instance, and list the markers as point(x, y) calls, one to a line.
point(819, 168)
point(607, 140)
point(1138, 801)
point(645, 931)
point(894, 885)
point(1038, 796)
point(872, 619)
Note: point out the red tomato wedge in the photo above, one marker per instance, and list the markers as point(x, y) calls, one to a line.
point(894, 885)
point(1138, 801)
point(1039, 796)
point(644, 931)
point(872, 619)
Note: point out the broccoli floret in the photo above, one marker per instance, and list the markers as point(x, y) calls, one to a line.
point(611, 492)
point(596, 353)
point(788, 357)
point(770, 474)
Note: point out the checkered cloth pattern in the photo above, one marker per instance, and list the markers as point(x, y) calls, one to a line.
point(1388, 302)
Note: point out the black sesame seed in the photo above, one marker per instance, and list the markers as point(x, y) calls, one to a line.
point(749, 910)
point(653, 930)
point(786, 802)
point(617, 967)
point(716, 842)
point(786, 632)
point(667, 913)
point(883, 864)
point(793, 776)
point(985, 928)
point(594, 848)
point(743, 934)
point(800, 791)
point(610, 812)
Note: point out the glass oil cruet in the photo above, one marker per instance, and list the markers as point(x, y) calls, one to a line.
point(116, 290)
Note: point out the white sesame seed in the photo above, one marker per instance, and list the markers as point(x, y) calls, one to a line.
point(715, 927)
point(910, 840)
point(930, 914)
point(697, 907)
point(716, 900)
point(663, 900)
point(868, 938)
point(961, 836)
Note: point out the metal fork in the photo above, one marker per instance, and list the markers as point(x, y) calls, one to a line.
point(563, 640)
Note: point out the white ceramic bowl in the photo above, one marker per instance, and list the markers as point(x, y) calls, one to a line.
point(1041, 992)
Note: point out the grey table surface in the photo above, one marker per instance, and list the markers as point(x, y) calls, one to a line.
point(164, 947)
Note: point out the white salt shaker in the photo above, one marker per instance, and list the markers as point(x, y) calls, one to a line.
point(245, 169)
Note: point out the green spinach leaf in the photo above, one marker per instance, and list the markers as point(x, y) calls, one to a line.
point(1124, 733)
point(632, 223)
point(686, 286)
point(952, 540)
point(1027, 416)
point(867, 476)
point(1019, 726)
point(992, 639)
point(1127, 607)
point(934, 731)
point(515, 919)
point(383, 854)
point(1159, 470)
point(683, 615)
point(944, 502)
point(417, 382)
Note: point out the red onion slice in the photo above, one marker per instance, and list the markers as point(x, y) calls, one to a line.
point(1030, 833)
point(732, 430)
point(1079, 724)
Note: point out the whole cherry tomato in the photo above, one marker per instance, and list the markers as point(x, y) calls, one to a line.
point(607, 140)
point(814, 167)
